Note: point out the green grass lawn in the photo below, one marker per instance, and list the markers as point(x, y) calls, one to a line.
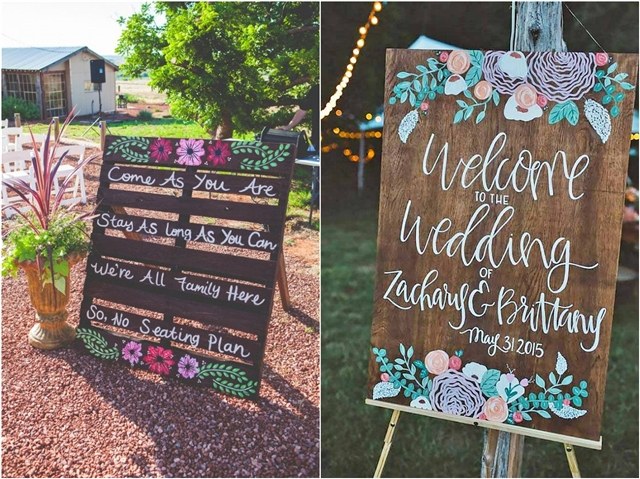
point(353, 433)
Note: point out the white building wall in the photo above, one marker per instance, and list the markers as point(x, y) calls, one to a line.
point(79, 73)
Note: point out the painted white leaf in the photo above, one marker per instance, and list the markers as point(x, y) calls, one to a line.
point(385, 390)
point(567, 412)
point(561, 364)
point(598, 118)
point(407, 125)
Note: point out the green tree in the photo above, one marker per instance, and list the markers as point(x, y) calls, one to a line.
point(225, 65)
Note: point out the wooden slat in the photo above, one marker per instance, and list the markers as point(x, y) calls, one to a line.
point(251, 185)
point(181, 285)
point(253, 372)
point(228, 210)
point(218, 264)
point(214, 342)
point(238, 162)
point(223, 236)
point(246, 321)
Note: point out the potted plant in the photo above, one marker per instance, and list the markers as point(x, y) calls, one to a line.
point(45, 241)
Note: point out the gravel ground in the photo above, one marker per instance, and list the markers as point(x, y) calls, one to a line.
point(68, 414)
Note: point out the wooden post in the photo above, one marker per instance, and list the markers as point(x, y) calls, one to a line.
point(103, 133)
point(16, 120)
point(573, 461)
point(56, 128)
point(538, 27)
point(388, 439)
point(283, 285)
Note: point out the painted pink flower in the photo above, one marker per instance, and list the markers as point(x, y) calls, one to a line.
point(190, 152)
point(566, 402)
point(424, 106)
point(218, 153)
point(455, 363)
point(384, 377)
point(525, 96)
point(517, 416)
point(437, 361)
point(187, 366)
point(444, 56)
point(132, 352)
point(524, 382)
point(159, 359)
point(482, 90)
point(602, 59)
point(496, 409)
point(458, 62)
point(542, 101)
point(160, 150)
point(482, 416)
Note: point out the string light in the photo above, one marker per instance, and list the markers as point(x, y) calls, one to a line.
point(354, 135)
point(372, 19)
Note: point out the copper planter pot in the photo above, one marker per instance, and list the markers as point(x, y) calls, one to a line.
point(51, 330)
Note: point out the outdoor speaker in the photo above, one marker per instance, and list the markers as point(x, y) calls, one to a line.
point(97, 71)
point(298, 138)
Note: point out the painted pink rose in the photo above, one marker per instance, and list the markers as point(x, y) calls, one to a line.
point(190, 152)
point(602, 59)
point(455, 363)
point(424, 106)
point(160, 150)
point(496, 409)
point(524, 382)
point(444, 56)
point(458, 62)
point(542, 101)
point(437, 361)
point(566, 402)
point(482, 90)
point(517, 416)
point(526, 96)
point(482, 416)
point(384, 377)
point(218, 153)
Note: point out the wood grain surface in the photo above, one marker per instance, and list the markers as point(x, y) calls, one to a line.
point(588, 226)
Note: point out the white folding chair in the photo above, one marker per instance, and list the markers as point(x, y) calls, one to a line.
point(15, 165)
point(5, 123)
point(12, 138)
point(66, 169)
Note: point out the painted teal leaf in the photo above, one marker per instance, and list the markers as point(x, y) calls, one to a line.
point(489, 381)
point(476, 57)
point(544, 414)
point(432, 95)
point(467, 113)
point(556, 115)
point(461, 103)
point(416, 85)
point(409, 352)
point(621, 76)
point(618, 97)
point(615, 111)
point(577, 401)
point(404, 75)
point(572, 114)
point(607, 82)
point(610, 89)
point(412, 99)
point(606, 99)
point(392, 100)
point(496, 97)
point(539, 381)
point(552, 377)
point(473, 76)
point(566, 381)
point(421, 68)
point(583, 384)
point(597, 87)
point(600, 73)
point(458, 117)
point(526, 416)
point(612, 68)
point(480, 117)
point(626, 86)
point(554, 390)
point(404, 97)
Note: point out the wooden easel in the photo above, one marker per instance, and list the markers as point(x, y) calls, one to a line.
point(488, 457)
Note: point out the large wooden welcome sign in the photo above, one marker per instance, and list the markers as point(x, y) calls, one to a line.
point(500, 216)
point(185, 246)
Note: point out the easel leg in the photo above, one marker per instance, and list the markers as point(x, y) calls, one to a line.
point(283, 285)
point(573, 461)
point(388, 439)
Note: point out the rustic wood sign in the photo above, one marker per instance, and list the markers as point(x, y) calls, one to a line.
point(181, 283)
point(500, 214)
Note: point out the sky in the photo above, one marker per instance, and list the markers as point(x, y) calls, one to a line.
point(64, 24)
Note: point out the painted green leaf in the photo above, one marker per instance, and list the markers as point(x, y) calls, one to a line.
point(552, 377)
point(96, 344)
point(612, 68)
point(606, 99)
point(577, 401)
point(556, 115)
point(404, 75)
point(421, 68)
point(626, 86)
point(539, 381)
point(566, 381)
point(572, 114)
point(526, 416)
point(489, 381)
point(480, 117)
point(458, 116)
point(404, 97)
point(615, 111)
point(467, 113)
point(461, 103)
point(544, 414)
point(597, 87)
point(473, 76)
point(496, 97)
point(583, 384)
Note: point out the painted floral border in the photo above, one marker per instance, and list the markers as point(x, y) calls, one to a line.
point(195, 152)
point(445, 384)
point(167, 362)
point(534, 84)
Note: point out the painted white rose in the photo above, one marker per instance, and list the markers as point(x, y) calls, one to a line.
point(455, 84)
point(513, 111)
point(474, 371)
point(509, 388)
point(514, 64)
point(421, 402)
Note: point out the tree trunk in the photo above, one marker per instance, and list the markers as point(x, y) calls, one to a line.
point(225, 128)
point(538, 27)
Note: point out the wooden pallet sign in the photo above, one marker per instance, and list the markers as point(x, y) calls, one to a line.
point(501, 203)
point(185, 247)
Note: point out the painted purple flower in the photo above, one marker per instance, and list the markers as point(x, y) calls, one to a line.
point(562, 76)
point(502, 81)
point(190, 152)
point(132, 352)
point(454, 393)
point(187, 366)
point(160, 150)
point(218, 153)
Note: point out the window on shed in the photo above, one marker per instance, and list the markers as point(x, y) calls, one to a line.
point(55, 96)
point(21, 85)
